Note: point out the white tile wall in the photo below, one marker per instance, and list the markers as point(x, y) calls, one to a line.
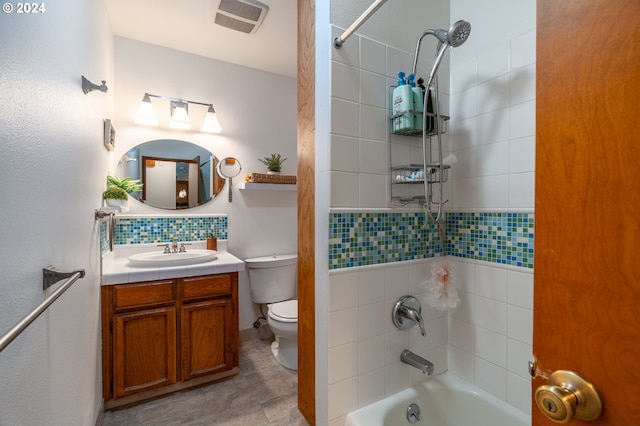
point(493, 127)
point(365, 346)
point(490, 334)
point(361, 73)
point(488, 339)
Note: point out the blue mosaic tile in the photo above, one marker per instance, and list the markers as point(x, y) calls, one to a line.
point(146, 230)
point(359, 239)
point(505, 238)
point(104, 241)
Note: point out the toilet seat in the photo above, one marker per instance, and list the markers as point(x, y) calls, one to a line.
point(286, 311)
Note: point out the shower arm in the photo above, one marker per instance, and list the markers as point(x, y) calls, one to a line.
point(418, 43)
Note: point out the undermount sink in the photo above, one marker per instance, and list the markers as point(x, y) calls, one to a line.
point(157, 259)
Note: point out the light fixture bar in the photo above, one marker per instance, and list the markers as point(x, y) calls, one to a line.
point(179, 114)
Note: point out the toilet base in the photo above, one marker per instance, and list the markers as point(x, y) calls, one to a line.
point(285, 351)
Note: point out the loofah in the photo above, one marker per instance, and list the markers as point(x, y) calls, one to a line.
point(440, 292)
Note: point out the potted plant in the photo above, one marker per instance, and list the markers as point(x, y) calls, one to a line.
point(115, 197)
point(129, 185)
point(273, 163)
point(118, 190)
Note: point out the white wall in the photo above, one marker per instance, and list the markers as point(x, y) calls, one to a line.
point(257, 111)
point(493, 136)
point(53, 168)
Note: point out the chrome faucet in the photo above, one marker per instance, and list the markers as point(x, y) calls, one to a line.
point(174, 245)
point(406, 313)
point(417, 361)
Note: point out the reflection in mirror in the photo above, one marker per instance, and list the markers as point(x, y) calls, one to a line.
point(175, 174)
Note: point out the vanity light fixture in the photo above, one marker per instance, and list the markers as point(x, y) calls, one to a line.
point(179, 110)
point(145, 114)
point(211, 123)
point(180, 115)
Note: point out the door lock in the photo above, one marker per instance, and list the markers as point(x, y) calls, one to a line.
point(568, 395)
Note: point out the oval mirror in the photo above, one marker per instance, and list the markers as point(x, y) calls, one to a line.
point(175, 174)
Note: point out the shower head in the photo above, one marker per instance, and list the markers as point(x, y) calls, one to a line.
point(456, 36)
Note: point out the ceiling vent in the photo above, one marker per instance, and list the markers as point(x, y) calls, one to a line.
point(240, 15)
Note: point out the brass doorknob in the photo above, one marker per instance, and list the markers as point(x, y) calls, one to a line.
point(568, 395)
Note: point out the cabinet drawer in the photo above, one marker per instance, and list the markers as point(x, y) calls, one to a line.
point(207, 286)
point(143, 294)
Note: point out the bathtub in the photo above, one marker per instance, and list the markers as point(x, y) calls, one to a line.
point(444, 400)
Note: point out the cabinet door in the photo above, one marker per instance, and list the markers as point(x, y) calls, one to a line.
point(207, 334)
point(144, 352)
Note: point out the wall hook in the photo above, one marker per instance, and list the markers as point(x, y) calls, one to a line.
point(88, 86)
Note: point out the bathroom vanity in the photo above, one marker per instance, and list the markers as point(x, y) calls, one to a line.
point(167, 328)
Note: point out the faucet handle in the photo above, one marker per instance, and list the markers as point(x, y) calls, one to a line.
point(166, 248)
point(183, 248)
point(407, 313)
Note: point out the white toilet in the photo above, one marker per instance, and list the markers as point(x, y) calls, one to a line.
point(273, 282)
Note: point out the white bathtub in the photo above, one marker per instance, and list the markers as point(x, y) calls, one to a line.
point(444, 400)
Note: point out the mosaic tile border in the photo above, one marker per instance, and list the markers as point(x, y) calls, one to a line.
point(104, 242)
point(505, 238)
point(145, 230)
point(360, 239)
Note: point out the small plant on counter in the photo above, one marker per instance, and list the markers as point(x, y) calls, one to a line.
point(273, 163)
point(127, 184)
point(115, 193)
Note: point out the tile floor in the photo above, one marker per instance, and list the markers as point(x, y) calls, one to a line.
point(263, 393)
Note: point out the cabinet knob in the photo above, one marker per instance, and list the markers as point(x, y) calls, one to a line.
point(568, 395)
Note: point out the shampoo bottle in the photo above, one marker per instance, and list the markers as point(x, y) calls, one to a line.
point(402, 104)
point(418, 102)
point(430, 121)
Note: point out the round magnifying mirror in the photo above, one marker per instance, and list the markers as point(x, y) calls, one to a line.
point(229, 167)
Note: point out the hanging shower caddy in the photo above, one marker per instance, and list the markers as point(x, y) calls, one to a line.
point(414, 175)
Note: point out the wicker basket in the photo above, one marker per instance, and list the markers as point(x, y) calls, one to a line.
point(265, 178)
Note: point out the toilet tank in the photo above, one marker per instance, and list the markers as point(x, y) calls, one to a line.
point(272, 278)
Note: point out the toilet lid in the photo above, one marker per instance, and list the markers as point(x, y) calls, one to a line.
point(286, 311)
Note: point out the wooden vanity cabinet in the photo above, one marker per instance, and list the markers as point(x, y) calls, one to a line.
point(167, 335)
point(209, 325)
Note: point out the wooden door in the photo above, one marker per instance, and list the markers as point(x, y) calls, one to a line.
point(306, 208)
point(587, 270)
point(144, 350)
point(207, 338)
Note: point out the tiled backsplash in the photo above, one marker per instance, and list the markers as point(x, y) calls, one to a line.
point(149, 230)
point(360, 239)
point(505, 238)
point(144, 230)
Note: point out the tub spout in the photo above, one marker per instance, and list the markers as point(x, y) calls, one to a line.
point(416, 361)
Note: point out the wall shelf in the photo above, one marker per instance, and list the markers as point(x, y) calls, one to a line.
point(268, 186)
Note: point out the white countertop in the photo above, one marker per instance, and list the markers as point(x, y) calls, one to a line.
point(116, 268)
